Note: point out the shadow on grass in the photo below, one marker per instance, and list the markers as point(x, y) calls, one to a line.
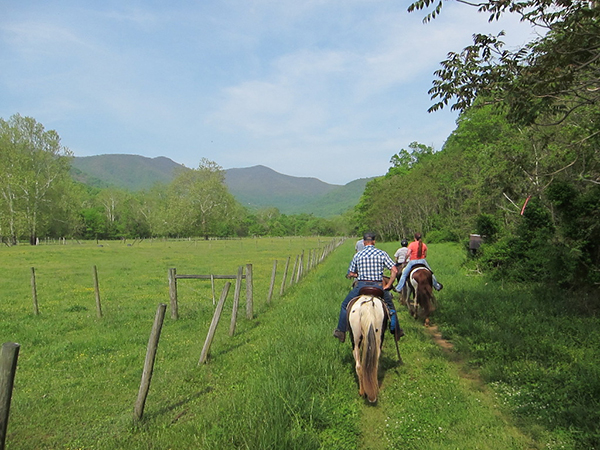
point(172, 407)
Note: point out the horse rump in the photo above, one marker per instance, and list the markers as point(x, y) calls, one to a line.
point(422, 289)
point(367, 320)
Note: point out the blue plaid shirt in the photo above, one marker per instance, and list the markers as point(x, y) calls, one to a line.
point(369, 264)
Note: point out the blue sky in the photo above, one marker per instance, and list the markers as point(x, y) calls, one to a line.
point(318, 88)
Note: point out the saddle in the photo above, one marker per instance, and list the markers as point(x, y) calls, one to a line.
point(373, 291)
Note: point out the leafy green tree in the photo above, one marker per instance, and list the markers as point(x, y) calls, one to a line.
point(34, 175)
point(404, 160)
point(199, 201)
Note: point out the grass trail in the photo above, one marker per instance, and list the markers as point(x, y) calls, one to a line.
point(432, 401)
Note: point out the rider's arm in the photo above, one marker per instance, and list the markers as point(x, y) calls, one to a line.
point(393, 273)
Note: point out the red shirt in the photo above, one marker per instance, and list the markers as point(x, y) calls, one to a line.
point(413, 250)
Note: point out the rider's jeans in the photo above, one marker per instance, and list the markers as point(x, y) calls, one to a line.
point(406, 272)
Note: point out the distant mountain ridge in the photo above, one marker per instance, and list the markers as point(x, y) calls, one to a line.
point(130, 172)
point(254, 187)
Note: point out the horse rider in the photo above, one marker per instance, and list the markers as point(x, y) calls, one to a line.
point(417, 252)
point(360, 245)
point(401, 255)
point(367, 267)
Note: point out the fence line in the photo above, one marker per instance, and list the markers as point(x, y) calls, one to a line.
point(173, 277)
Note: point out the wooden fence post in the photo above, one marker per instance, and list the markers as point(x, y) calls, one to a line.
point(173, 293)
point(36, 310)
point(285, 271)
point(294, 270)
point(8, 368)
point(149, 362)
point(212, 286)
point(273, 274)
point(97, 291)
point(300, 262)
point(214, 323)
point(236, 300)
point(249, 293)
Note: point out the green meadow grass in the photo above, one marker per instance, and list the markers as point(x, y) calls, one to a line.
point(78, 375)
point(282, 382)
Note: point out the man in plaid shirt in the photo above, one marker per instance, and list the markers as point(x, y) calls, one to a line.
point(367, 267)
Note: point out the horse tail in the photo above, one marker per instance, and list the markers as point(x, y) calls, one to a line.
point(370, 363)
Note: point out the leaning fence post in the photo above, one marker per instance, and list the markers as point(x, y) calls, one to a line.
point(285, 271)
point(8, 368)
point(214, 323)
point(36, 310)
point(249, 293)
point(97, 291)
point(236, 299)
point(149, 362)
point(273, 274)
point(173, 293)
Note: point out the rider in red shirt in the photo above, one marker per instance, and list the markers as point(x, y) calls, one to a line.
point(417, 248)
point(417, 252)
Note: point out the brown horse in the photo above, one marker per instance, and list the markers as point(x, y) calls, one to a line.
point(419, 287)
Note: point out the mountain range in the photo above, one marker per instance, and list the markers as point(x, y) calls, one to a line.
point(254, 187)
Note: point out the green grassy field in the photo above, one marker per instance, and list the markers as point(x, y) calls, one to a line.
point(282, 382)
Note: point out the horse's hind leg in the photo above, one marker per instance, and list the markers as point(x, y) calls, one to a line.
point(356, 352)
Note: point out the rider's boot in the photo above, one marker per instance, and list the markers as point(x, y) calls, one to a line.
point(341, 335)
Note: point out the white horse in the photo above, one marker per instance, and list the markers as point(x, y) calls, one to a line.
point(367, 319)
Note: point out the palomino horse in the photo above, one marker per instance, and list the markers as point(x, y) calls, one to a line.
point(420, 287)
point(368, 321)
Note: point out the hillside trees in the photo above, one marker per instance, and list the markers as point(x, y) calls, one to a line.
point(530, 189)
point(34, 178)
point(39, 197)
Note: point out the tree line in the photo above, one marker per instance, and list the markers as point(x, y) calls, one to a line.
point(522, 167)
point(39, 198)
